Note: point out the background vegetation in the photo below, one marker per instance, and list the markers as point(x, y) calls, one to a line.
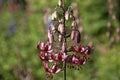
point(22, 28)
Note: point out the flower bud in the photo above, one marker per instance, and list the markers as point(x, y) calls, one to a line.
point(60, 3)
point(64, 47)
point(60, 38)
point(50, 37)
point(67, 15)
point(73, 34)
point(61, 28)
point(74, 24)
point(52, 27)
point(54, 15)
point(77, 36)
point(71, 15)
point(42, 45)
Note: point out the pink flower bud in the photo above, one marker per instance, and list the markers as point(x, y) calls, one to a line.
point(50, 37)
point(67, 15)
point(77, 36)
point(64, 46)
point(74, 24)
point(73, 34)
point(61, 28)
point(52, 27)
point(49, 33)
point(50, 47)
point(73, 59)
point(60, 38)
point(42, 45)
point(54, 15)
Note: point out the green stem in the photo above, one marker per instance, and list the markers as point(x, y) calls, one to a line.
point(64, 67)
point(65, 40)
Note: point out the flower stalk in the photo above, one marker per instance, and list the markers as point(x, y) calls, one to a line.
point(55, 50)
point(64, 63)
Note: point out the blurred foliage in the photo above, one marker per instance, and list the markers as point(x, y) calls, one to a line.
point(18, 43)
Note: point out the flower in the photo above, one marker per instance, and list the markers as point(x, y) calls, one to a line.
point(54, 53)
point(76, 60)
point(82, 50)
point(48, 55)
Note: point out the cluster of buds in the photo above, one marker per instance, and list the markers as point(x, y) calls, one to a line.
point(55, 51)
point(111, 25)
point(79, 20)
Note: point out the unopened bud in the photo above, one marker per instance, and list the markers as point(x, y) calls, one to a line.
point(42, 45)
point(54, 15)
point(60, 3)
point(60, 38)
point(67, 15)
point(77, 36)
point(74, 24)
point(52, 27)
point(64, 46)
point(73, 34)
point(50, 37)
point(61, 28)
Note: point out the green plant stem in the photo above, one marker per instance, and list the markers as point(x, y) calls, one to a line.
point(65, 40)
point(64, 67)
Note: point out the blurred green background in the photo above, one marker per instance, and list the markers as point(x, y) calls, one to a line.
point(22, 26)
